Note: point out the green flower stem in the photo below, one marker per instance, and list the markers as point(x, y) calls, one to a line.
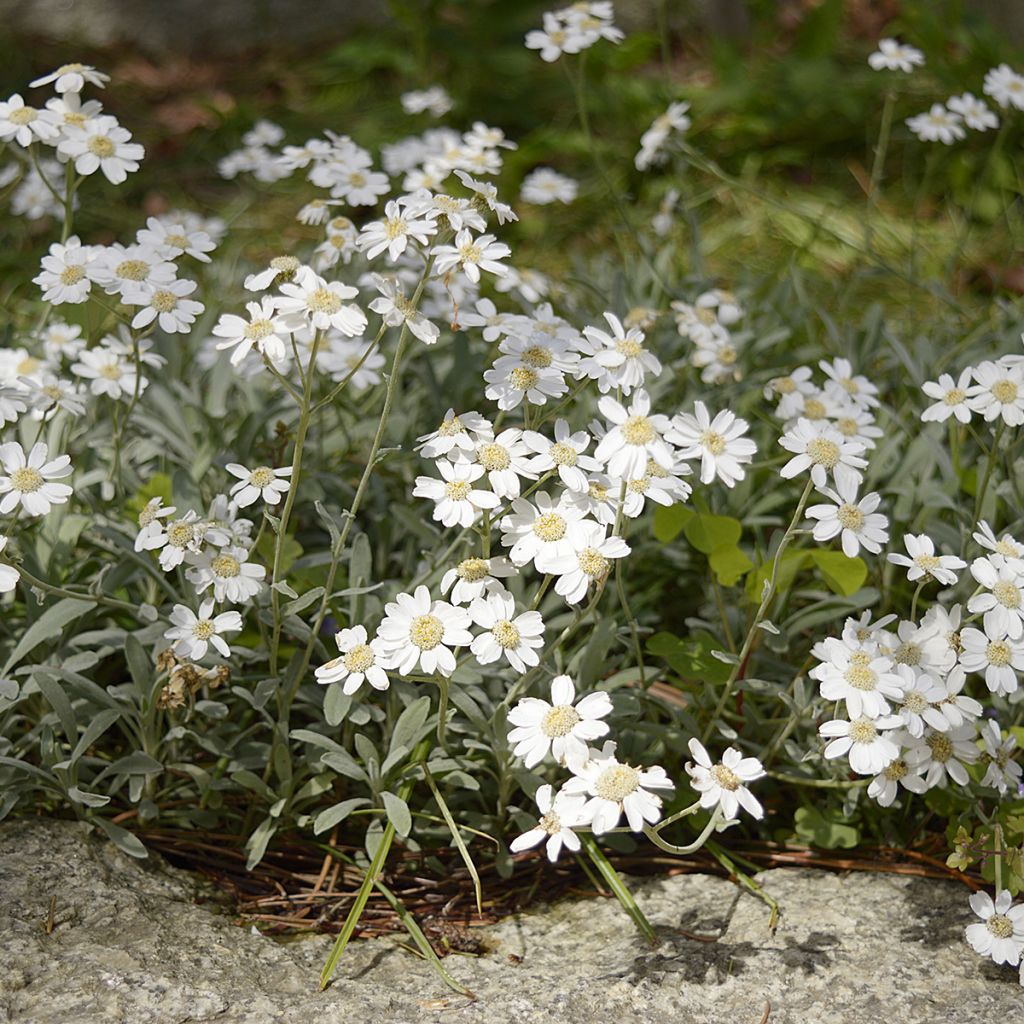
point(47, 588)
point(682, 851)
point(878, 165)
point(993, 454)
point(762, 610)
point(799, 780)
point(619, 887)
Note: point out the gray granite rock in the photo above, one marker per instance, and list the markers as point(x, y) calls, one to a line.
point(133, 945)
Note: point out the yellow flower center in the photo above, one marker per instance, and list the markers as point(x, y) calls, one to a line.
point(226, 567)
point(998, 653)
point(616, 783)
point(559, 720)
point(359, 659)
point(1006, 594)
point(637, 430)
point(261, 476)
point(450, 427)
point(537, 356)
point(323, 300)
point(862, 730)
point(927, 562)
point(914, 702)
point(954, 396)
point(1005, 391)
point(470, 253)
point(593, 563)
point(72, 274)
point(493, 457)
point(163, 301)
point(725, 777)
point(814, 409)
point(896, 770)
point(784, 385)
point(629, 348)
point(132, 270)
point(713, 442)
point(941, 746)
point(473, 569)
point(1000, 926)
point(285, 267)
point(861, 678)
point(457, 490)
point(101, 146)
point(824, 452)
point(505, 634)
point(110, 371)
point(23, 115)
point(850, 517)
point(550, 824)
point(203, 629)
point(907, 654)
point(259, 329)
point(180, 534)
point(562, 454)
point(425, 631)
point(549, 527)
point(847, 426)
point(522, 378)
point(26, 479)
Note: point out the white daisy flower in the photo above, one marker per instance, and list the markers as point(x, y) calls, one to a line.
point(999, 658)
point(471, 255)
point(885, 786)
point(857, 522)
point(975, 112)
point(861, 679)
point(588, 563)
point(434, 101)
point(9, 576)
point(456, 501)
point(614, 788)
point(359, 660)
point(618, 359)
point(395, 309)
point(864, 741)
point(101, 144)
point(28, 480)
point(725, 784)
point(937, 125)
point(544, 185)
point(1002, 772)
point(514, 637)
point(195, 632)
point(1005, 86)
point(417, 631)
point(264, 482)
point(66, 274)
point(151, 533)
point(278, 271)
point(956, 706)
point(175, 539)
point(1000, 933)
point(821, 449)
point(474, 577)
point(173, 237)
point(718, 443)
point(489, 193)
point(542, 531)
point(348, 358)
point(263, 330)
point(922, 561)
point(233, 577)
point(494, 324)
point(999, 392)
point(950, 398)
point(454, 434)
point(510, 382)
point(944, 755)
point(895, 56)
point(24, 124)
point(72, 78)
point(168, 305)
point(919, 702)
point(1011, 550)
point(1003, 604)
point(565, 454)
point(394, 232)
point(634, 437)
point(309, 299)
point(506, 460)
point(120, 269)
point(109, 373)
point(559, 816)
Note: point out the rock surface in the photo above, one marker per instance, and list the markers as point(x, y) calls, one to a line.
point(132, 946)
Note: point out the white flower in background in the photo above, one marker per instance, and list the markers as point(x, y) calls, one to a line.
point(1003, 604)
point(615, 787)
point(820, 448)
point(937, 125)
point(61, 340)
point(923, 561)
point(72, 78)
point(24, 125)
point(1011, 550)
point(471, 255)
point(395, 309)
point(224, 527)
point(456, 501)
point(564, 454)
point(1002, 772)
point(864, 741)
point(718, 443)
point(194, 633)
point(279, 270)
point(359, 660)
point(950, 398)
point(394, 232)
point(233, 577)
point(172, 236)
point(109, 373)
point(725, 784)
point(13, 402)
point(791, 390)
point(309, 299)
point(514, 637)
point(845, 385)
point(895, 56)
point(553, 40)
point(417, 631)
point(263, 330)
point(66, 272)
point(541, 531)
point(884, 787)
point(262, 482)
point(454, 435)
point(559, 816)
point(975, 112)
point(1000, 933)
point(434, 101)
point(506, 460)
point(101, 144)
point(9, 576)
point(1005, 86)
point(944, 755)
point(544, 185)
point(999, 658)
point(28, 480)
point(634, 438)
point(489, 193)
point(168, 305)
point(919, 703)
point(857, 522)
point(618, 359)
point(354, 359)
point(999, 392)
point(589, 561)
point(474, 577)
point(652, 142)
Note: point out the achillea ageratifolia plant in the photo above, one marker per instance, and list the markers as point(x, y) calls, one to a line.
point(373, 532)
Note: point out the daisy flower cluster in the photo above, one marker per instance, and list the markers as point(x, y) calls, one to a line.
point(573, 29)
point(710, 323)
point(992, 391)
